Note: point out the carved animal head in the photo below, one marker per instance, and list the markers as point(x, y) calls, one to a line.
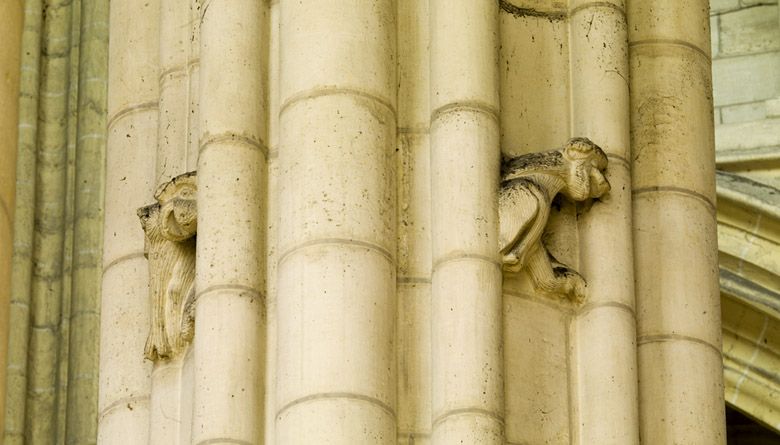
point(178, 209)
point(585, 163)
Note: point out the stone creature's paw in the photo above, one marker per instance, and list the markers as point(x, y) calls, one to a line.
point(573, 284)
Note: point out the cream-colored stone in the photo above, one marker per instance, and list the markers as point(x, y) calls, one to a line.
point(349, 180)
point(414, 359)
point(604, 363)
point(464, 174)
point(338, 420)
point(124, 325)
point(338, 306)
point(230, 241)
point(128, 420)
point(677, 298)
point(681, 24)
point(680, 404)
point(471, 78)
point(131, 141)
point(748, 135)
point(229, 352)
point(414, 210)
point(605, 235)
point(534, 70)
point(671, 119)
point(134, 49)
point(164, 403)
point(537, 396)
point(343, 47)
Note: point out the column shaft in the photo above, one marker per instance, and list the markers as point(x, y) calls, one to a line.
point(467, 366)
point(229, 343)
point(83, 354)
point(413, 329)
point(48, 245)
point(11, 23)
point(123, 402)
point(336, 371)
point(604, 330)
point(676, 265)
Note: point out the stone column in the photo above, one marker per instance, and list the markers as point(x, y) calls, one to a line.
point(467, 366)
point(82, 385)
point(130, 183)
point(24, 221)
point(229, 343)
point(11, 22)
point(676, 261)
point(413, 331)
point(336, 303)
point(604, 330)
point(49, 237)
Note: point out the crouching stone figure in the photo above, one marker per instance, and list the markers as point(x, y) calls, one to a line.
point(528, 185)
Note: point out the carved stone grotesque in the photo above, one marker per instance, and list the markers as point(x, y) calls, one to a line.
point(170, 226)
point(528, 185)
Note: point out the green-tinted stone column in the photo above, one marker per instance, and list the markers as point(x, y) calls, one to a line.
point(81, 425)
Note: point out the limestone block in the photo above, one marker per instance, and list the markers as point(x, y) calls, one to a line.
point(471, 219)
point(337, 421)
point(230, 89)
point(748, 135)
point(753, 111)
point(414, 361)
point(229, 253)
point(413, 65)
point(346, 188)
point(718, 6)
point(336, 337)
point(229, 333)
point(164, 404)
point(773, 108)
point(678, 297)
point(471, 79)
point(414, 209)
point(680, 23)
point(128, 421)
point(715, 36)
point(604, 272)
point(339, 57)
point(599, 56)
point(466, 327)
point(604, 388)
point(124, 372)
point(750, 30)
point(691, 399)
point(132, 142)
point(747, 78)
point(668, 95)
point(534, 71)
point(134, 49)
point(536, 382)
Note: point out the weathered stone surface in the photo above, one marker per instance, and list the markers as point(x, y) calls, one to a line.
point(747, 78)
point(750, 30)
point(743, 112)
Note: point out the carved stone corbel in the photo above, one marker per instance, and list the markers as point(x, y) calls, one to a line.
point(528, 185)
point(170, 226)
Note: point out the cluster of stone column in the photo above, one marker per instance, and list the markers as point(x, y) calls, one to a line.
point(348, 281)
point(51, 377)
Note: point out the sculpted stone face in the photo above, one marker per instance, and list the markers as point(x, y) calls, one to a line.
point(529, 184)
